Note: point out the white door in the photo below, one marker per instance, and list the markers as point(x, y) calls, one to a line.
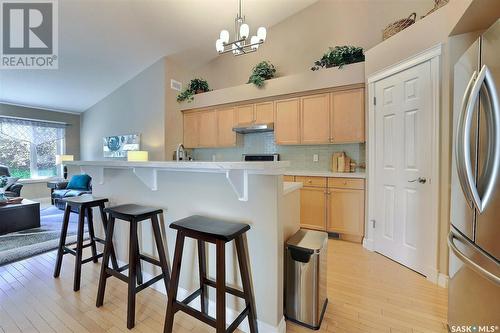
point(403, 139)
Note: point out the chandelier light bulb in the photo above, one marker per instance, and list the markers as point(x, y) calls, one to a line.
point(262, 33)
point(254, 40)
point(224, 36)
point(219, 46)
point(244, 31)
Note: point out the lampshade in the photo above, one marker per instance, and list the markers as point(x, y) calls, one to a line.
point(137, 156)
point(254, 40)
point(262, 33)
point(64, 158)
point(244, 31)
point(224, 36)
point(219, 46)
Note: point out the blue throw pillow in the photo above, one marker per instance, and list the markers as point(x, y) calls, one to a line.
point(79, 182)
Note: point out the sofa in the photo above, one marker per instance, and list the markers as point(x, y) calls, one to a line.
point(78, 185)
point(13, 190)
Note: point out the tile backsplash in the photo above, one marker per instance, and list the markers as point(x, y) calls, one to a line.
point(300, 157)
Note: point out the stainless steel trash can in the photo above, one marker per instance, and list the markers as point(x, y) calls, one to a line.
point(305, 278)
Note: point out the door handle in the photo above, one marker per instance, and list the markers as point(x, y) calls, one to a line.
point(493, 122)
point(421, 180)
point(459, 142)
point(495, 278)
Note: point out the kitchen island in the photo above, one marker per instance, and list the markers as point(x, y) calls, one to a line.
point(247, 192)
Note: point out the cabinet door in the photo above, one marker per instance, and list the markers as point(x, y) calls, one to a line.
point(208, 128)
point(287, 122)
point(245, 114)
point(315, 119)
point(191, 129)
point(346, 211)
point(348, 116)
point(264, 112)
point(313, 208)
point(225, 122)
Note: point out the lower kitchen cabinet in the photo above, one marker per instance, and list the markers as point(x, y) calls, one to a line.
point(346, 211)
point(335, 205)
point(313, 208)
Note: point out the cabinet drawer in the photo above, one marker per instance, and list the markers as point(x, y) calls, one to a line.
point(288, 178)
point(352, 183)
point(311, 181)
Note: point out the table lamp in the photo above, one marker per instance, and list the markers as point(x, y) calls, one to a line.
point(60, 159)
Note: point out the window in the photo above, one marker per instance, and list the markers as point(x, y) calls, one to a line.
point(29, 147)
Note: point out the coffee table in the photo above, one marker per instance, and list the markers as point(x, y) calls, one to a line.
point(17, 217)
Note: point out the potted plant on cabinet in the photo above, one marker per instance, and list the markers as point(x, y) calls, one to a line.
point(263, 71)
point(339, 56)
point(195, 86)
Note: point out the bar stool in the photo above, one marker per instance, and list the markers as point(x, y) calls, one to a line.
point(84, 205)
point(133, 214)
point(219, 232)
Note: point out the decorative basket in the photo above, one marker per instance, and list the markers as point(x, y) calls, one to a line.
point(399, 25)
point(437, 4)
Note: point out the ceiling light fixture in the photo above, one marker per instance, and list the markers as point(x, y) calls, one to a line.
point(242, 43)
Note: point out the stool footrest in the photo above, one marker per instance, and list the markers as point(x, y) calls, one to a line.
point(92, 258)
point(234, 325)
point(144, 285)
point(192, 297)
point(116, 274)
point(194, 313)
point(67, 250)
point(229, 290)
point(150, 260)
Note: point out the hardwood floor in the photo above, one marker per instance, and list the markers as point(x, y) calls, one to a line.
point(367, 293)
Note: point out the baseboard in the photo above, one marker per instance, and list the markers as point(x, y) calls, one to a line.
point(443, 280)
point(368, 244)
point(231, 314)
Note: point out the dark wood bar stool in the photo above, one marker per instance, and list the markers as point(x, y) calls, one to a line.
point(83, 204)
point(218, 232)
point(132, 214)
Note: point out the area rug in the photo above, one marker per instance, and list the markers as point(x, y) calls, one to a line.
point(23, 244)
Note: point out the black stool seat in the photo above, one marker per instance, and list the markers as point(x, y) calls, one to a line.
point(211, 228)
point(84, 205)
point(206, 229)
point(133, 211)
point(133, 214)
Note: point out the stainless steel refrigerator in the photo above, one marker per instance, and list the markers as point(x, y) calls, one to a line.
point(474, 238)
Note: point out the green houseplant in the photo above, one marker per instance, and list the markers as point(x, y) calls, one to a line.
point(195, 86)
point(339, 56)
point(264, 70)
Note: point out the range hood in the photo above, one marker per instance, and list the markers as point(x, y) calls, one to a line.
point(254, 128)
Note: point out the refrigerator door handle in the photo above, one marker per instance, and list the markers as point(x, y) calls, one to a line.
point(493, 122)
point(459, 142)
point(495, 278)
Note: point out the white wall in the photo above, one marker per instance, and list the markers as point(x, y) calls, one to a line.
point(138, 106)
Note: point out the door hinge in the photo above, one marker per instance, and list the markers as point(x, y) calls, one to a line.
point(373, 223)
point(374, 100)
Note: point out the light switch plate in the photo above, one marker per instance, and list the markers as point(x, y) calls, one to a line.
point(315, 158)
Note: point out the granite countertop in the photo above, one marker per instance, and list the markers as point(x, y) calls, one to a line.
point(325, 174)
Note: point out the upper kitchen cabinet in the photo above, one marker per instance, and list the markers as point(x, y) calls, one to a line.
point(287, 121)
point(245, 114)
point(315, 119)
point(207, 128)
point(226, 120)
point(264, 112)
point(348, 116)
point(191, 129)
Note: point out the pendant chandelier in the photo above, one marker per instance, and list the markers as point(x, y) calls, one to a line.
point(242, 43)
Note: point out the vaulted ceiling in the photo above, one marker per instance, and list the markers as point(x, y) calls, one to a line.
point(104, 43)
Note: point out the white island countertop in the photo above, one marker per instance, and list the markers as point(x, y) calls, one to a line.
point(289, 187)
point(192, 166)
